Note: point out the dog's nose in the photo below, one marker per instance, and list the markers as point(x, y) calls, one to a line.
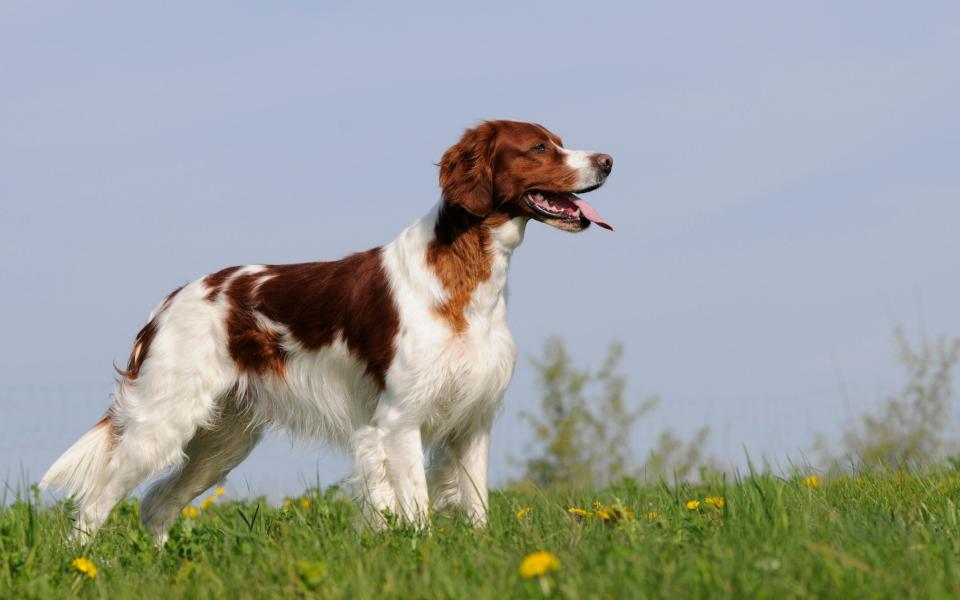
point(604, 162)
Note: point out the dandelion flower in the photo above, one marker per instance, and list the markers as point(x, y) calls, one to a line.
point(305, 503)
point(288, 503)
point(219, 491)
point(538, 564)
point(693, 505)
point(207, 502)
point(653, 515)
point(603, 514)
point(312, 573)
point(578, 512)
point(523, 512)
point(84, 566)
point(715, 501)
point(189, 512)
point(811, 481)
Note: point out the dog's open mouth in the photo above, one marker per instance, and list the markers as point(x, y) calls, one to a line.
point(564, 206)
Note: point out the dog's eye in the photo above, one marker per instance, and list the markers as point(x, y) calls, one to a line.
point(539, 148)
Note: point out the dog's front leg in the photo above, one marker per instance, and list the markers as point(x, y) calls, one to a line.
point(403, 449)
point(458, 473)
point(473, 453)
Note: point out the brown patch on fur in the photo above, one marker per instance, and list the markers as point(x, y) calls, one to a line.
point(460, 256)
point(253, 347)
point(518, 170)
point(214, 282)
point(110, 422)
point(317, 303)
point(504, 213)
point(169, 298)
point(466, 171)
point(139, 353)
point(141, 345)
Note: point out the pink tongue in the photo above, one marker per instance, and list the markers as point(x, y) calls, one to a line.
point(591, 213)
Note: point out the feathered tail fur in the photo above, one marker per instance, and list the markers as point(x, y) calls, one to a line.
point(78, 470)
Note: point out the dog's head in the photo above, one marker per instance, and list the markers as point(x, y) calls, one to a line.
point(522, 169)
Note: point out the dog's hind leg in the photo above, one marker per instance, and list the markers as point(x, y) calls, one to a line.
point(179, 369)
point(212, 453)
point(151, 439)
point(141, 451)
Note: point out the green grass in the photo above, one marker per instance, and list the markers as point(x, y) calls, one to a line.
point(880, 535)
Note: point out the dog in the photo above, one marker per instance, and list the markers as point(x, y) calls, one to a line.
point(400, 354)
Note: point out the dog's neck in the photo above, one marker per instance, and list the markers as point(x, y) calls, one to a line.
point(459, 262)
point(451, 223)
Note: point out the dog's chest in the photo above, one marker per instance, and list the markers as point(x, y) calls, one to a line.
point(454, 353)
point(454, 378)
point(470, 374)
point(482, 356)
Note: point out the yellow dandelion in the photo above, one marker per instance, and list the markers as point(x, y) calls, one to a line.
point(811, 481)
point(523, 512)
point(597, 505)
point(653, 515)
point(219, 491)
point(578, 512)
point(603, 514)
point(189, 512)
point(84, 566)
point(715, 501)
point(538, 564)
point(305, 503)
point(693, 505)
point(288, 503)
point(625, 514)
point(207, 502)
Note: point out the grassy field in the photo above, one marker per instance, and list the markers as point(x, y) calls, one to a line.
point(879, 535)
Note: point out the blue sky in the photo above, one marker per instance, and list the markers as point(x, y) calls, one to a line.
point(785, 190)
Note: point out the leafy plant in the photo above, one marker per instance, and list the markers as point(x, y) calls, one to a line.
point(585, 424)
point(910, 426)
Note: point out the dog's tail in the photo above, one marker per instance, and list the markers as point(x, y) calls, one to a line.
point(79, 469)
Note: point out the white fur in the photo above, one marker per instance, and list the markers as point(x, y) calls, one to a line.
point(192, 413)
point(79, 468)
point(582, 162)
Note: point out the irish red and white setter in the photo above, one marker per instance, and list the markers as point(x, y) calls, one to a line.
point(392, 353)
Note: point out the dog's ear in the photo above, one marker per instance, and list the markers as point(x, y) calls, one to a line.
point(466, 171)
